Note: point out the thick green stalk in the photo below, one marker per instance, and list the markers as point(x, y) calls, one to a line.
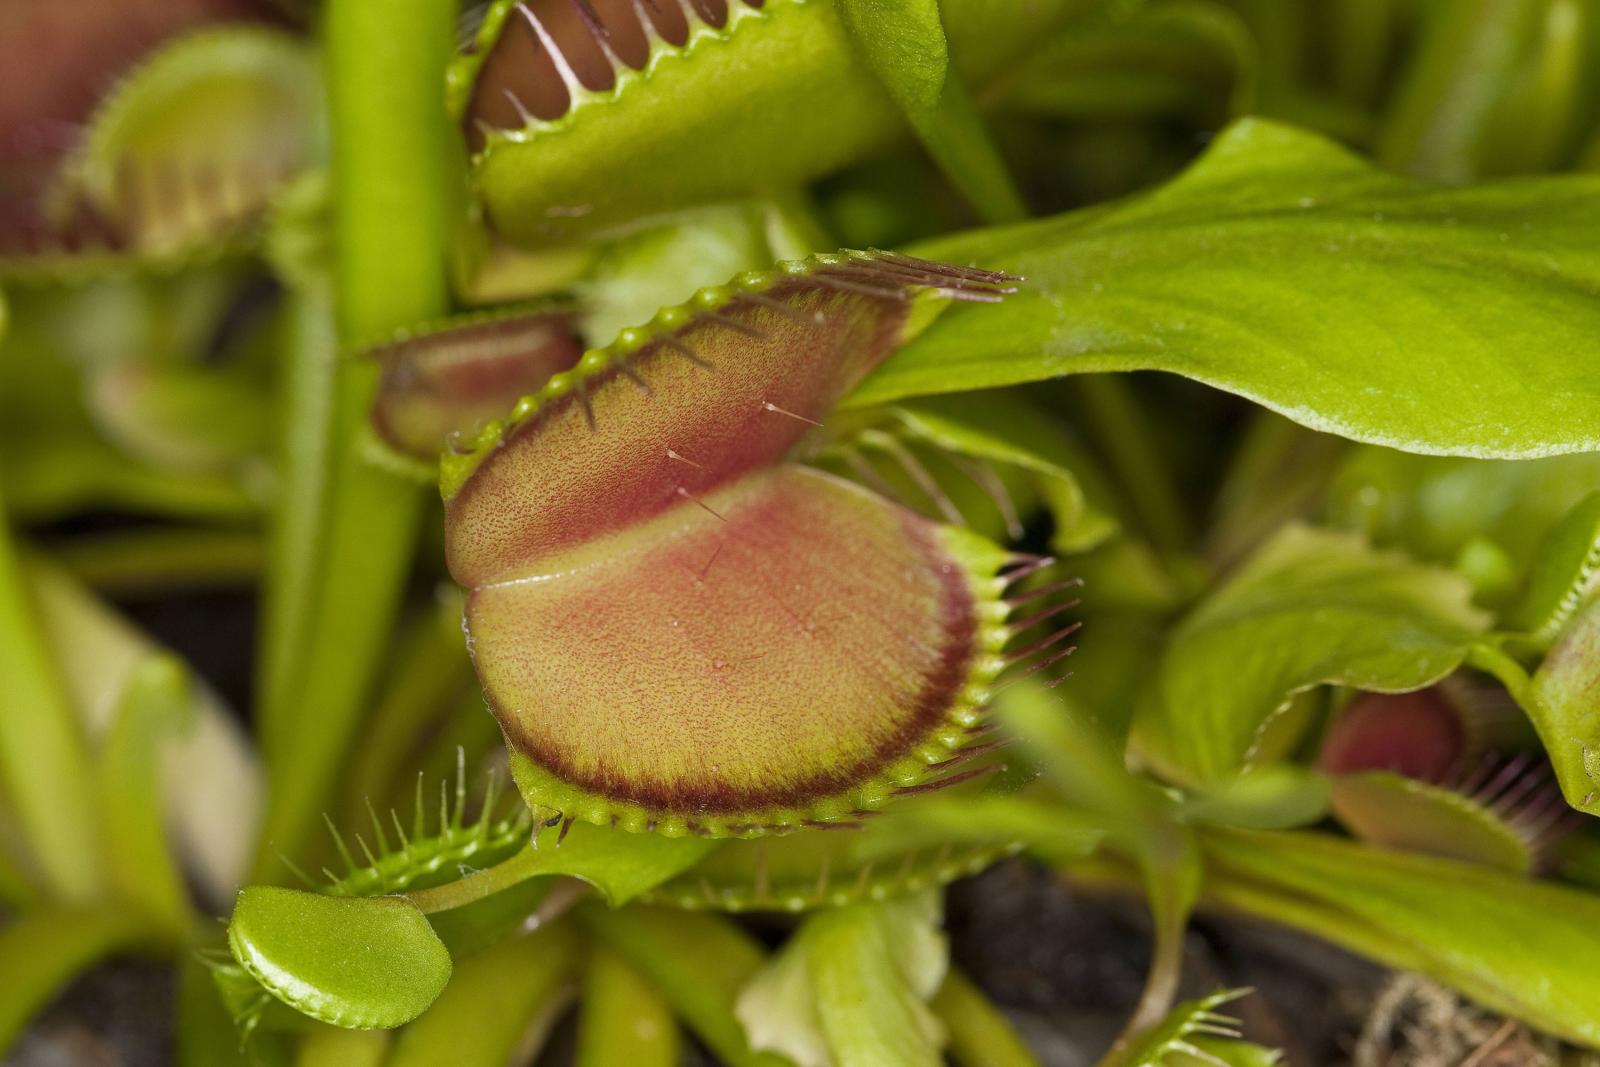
point(623, 1018)
point(331, 1046)
point(698, 961)
point(43, 759)
point(394, 184)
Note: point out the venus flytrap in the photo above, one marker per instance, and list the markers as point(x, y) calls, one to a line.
point(699, 410)
point(551, 91)
point(750, 581)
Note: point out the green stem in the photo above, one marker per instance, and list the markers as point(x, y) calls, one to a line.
point(43, 759)
point(333, 1046)
point(528, 863)
point(979, 1035)
point(1119, 428)
point(394, 186)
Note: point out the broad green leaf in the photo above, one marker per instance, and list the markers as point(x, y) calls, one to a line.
point(851, 987)
point(1563, 700)
point(42, 950)
point(498, 1004)
point(1519, 947)
point(210, 781)
point(360, 962)
point(44, 765)
point(1311, 607)
point(1283, 268)
point(698, 962)
point(903, 44)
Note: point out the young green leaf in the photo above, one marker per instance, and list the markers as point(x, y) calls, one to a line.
point(1519, 947)
point(1310, 608)
point(1563, 700)
point(1565, 574)
point(904, 46)
point(450, 378)
point(1282, 268)
point(361, 962)
point(851, 986)
point(1181, 1036)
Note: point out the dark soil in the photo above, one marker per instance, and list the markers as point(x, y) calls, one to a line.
point(118, 1015)
point(1068, 966)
